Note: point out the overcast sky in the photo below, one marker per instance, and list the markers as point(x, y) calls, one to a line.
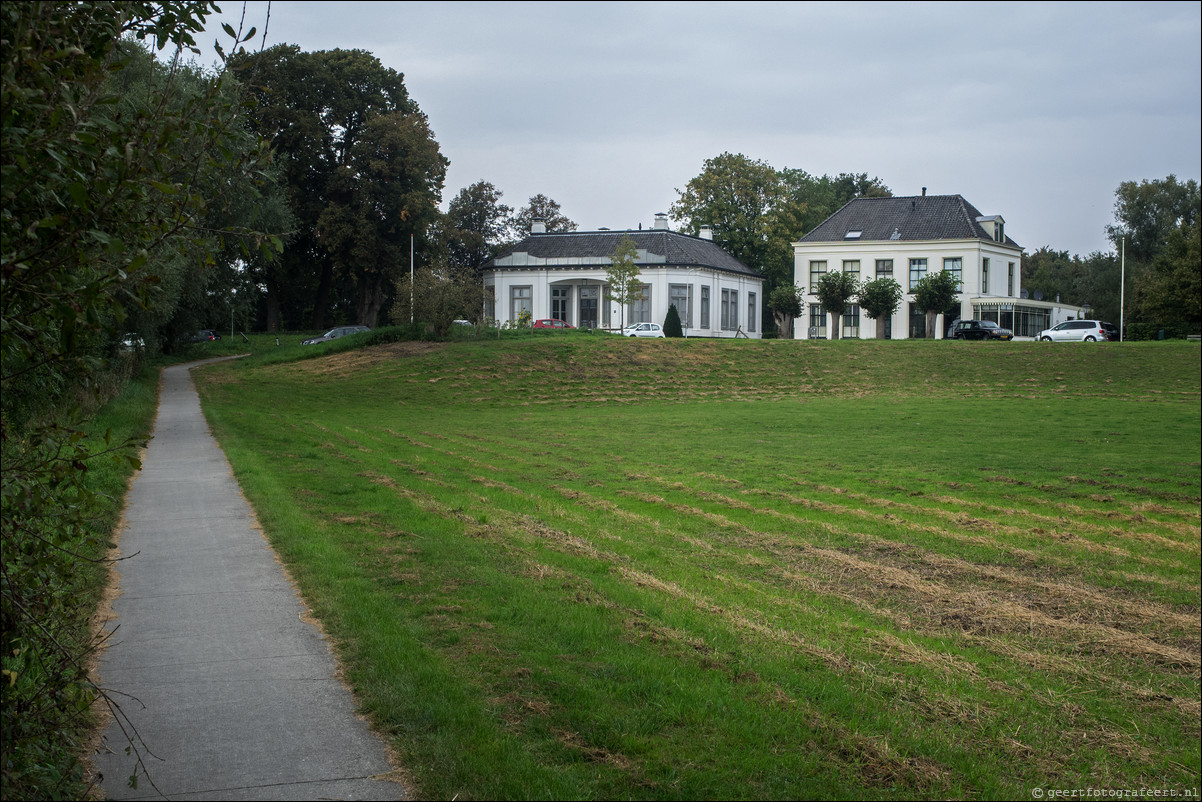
point(1036, 112)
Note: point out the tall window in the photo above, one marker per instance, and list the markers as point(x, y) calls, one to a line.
point(884, 268)
point(1010, 280)
point(918, 269)
point(680, 296)
point(751, 315)
point(852, 266)
point(956, 268)
point(521, 301)
point(561, 300)
point(640, 310)
point(918, 323)
point(705, 307)
point(816, 271)
point(817, 321)
point(730, 310)
point(984, 276)
point(851, 321)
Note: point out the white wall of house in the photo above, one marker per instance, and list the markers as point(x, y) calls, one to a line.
point(974, 258)
point(715, 303)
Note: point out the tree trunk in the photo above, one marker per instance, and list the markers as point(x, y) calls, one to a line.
point(273, 299)
point(322, 302)
point(834, 329)
point(880, 327)
point(931, 324)
point(784, 325)
point(370, 300)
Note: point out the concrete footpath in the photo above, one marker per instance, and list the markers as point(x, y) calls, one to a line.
point(233, 695)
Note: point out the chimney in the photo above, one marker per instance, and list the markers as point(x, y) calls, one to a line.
point(924, 192)
point(538, 227)
point(661, 222)
point(707, 232)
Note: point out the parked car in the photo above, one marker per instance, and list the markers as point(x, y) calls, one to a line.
point(1076, 331)
point(643, 330)
point(334, 334)
point(979, 330)
point(204, 336)
point(552, 323)
point(132, 341)
point(1112, 331)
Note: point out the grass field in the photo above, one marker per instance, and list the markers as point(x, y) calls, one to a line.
point(588, 567)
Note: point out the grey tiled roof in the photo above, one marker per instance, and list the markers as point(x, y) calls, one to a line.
point(592, 249)
point(924, 217)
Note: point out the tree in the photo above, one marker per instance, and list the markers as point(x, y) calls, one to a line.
point(734, 195)
point(672, 327)
point(1159, 222)
point(474, 228)
point(835, 292)
point(879, 299)
point(787, 303)
point(363, 171)
point(438, 301)
point(622, 275)
point(540, 208)
point(935, 293)
point(1146, 214)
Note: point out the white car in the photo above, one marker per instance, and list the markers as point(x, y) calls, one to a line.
point(643, 330)
point(1076, 331)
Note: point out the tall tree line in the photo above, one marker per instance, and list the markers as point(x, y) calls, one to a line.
point(1157, 223)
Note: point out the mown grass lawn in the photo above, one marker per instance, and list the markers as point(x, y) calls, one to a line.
point(590, 567)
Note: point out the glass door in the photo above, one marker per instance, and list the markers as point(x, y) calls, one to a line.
point(589, 297)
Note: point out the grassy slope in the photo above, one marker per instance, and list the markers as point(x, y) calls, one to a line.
point(589, 567)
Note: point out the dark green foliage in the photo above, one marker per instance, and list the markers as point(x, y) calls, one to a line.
point(933, 293)
point(787, 303)
point(363, 172)
point(835, 291)
point(672, 326)
point(879, 298)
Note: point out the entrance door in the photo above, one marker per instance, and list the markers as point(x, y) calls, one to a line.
point(589, 302)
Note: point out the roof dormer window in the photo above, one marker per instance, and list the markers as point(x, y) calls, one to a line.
point(853, 234)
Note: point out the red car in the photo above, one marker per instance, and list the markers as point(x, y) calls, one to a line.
point(552, 323)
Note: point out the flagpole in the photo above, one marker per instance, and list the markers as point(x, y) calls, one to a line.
point(410, 279)
point(1122, 289)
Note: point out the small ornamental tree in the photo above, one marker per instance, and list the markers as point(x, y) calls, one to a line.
point(623, 277)
point(934, 293)
point(835, 291)
point(879, 299)
point(787, 304)
point(672, 327)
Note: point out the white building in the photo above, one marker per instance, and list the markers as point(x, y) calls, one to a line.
point(904, 239)
point(562, 276)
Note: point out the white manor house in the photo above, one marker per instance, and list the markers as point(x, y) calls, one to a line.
point(904, 239)
point(562, 276)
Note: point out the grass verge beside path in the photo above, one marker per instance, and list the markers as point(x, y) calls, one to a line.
point(591, 567)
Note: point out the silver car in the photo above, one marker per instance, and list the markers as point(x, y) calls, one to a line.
point(334, 334)
point(1076, 331)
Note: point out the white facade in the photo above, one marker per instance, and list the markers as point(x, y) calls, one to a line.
point(714, 294)
point(710, 303)
point(989, 272)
